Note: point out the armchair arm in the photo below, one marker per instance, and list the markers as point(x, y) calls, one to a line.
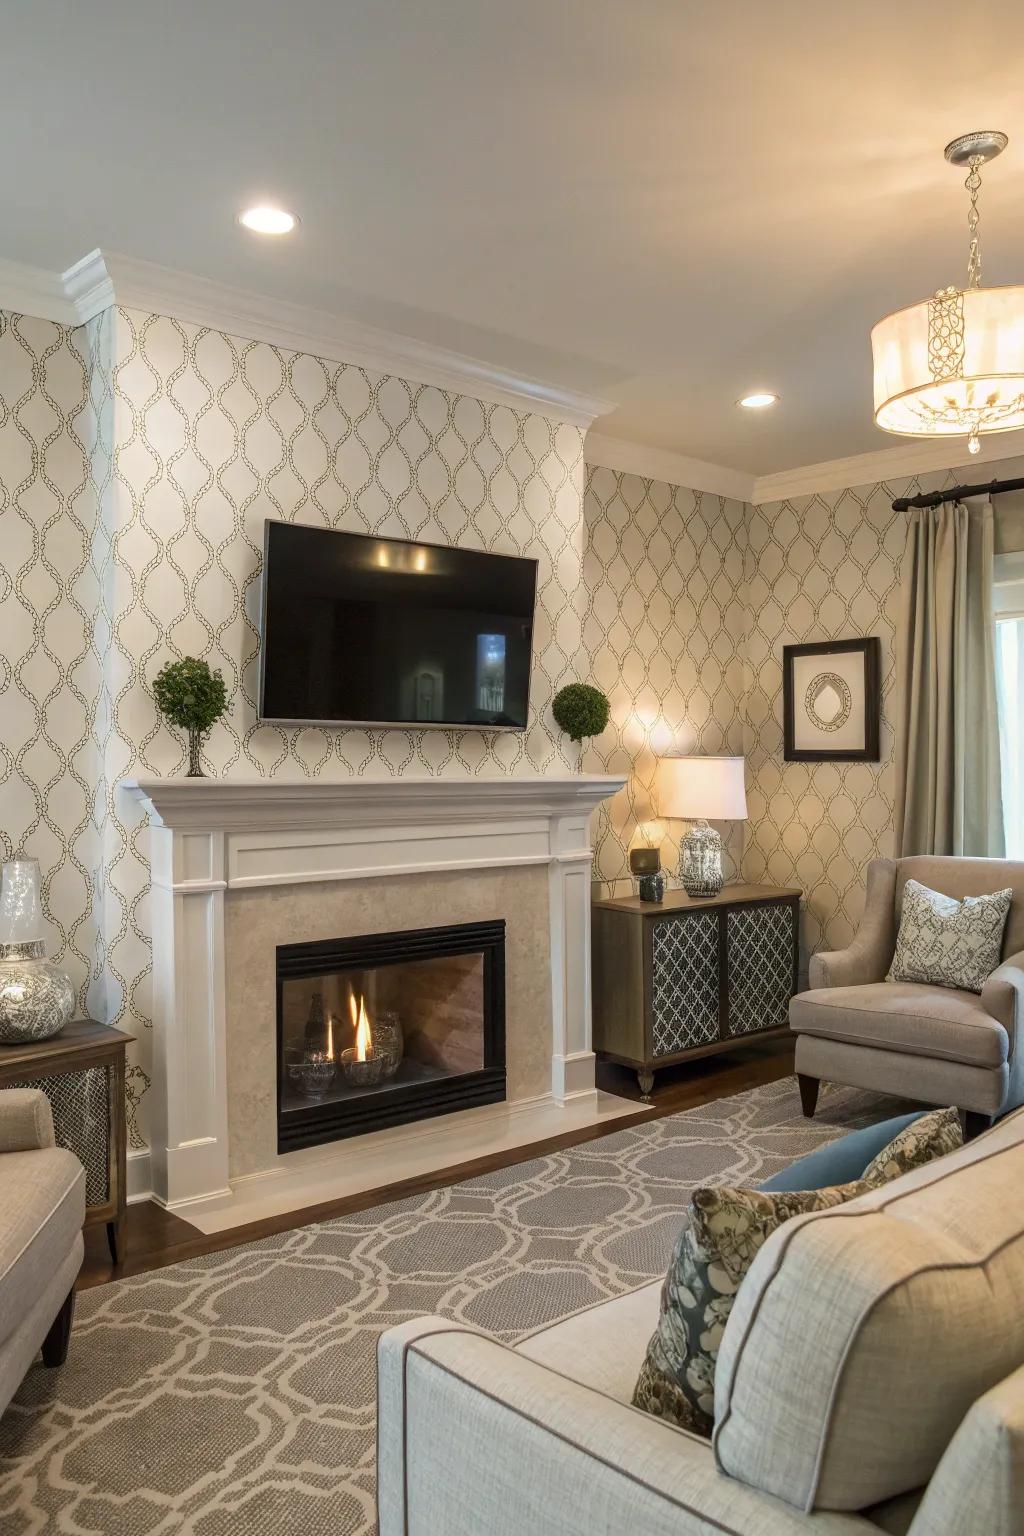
point(474, 1437)
point(868, 957)
point(1003, 996)
point(26, 1124)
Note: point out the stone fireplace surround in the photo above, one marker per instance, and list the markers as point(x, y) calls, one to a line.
point(240, 865)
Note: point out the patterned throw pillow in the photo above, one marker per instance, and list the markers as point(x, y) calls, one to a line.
point(946, 942)
point(722, 1233)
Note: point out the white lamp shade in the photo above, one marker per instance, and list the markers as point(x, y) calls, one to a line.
point(951, 363)
point(696, 788)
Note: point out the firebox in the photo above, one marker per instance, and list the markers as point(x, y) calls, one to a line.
point(387, 1028)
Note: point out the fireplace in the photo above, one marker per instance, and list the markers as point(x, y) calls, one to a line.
point(387, 1028)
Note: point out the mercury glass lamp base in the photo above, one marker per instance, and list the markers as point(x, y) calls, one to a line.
point(700, 866)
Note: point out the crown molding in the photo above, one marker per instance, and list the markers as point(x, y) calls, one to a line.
point(914, 457)
point(660, 464)
point(104, 278)
point(32, 291)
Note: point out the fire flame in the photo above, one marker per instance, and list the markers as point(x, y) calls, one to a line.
point(330, 1037)
point(361, 1025)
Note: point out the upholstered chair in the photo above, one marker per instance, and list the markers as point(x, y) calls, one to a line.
point(934, 1044)
point(42, 1208)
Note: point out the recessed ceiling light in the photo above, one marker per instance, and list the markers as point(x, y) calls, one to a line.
point(758, 400)
point(264, 220)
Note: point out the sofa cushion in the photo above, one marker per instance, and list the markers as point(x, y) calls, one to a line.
point(979, 1483)
point(722, 1233)
point(601, 1347)
point(948, 942)
point(840, 1161)
point(904, 1016)
point(862, 1335)
point(42, 1208)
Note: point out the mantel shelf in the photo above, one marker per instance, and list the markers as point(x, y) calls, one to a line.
point(278, 803)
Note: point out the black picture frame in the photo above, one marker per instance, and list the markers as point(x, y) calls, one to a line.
point(870, 646)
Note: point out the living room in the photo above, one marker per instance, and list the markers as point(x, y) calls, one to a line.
point(511, 805)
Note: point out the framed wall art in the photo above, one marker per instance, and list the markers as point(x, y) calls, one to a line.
point(831, 696)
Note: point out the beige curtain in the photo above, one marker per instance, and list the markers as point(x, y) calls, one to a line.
point(947, 730)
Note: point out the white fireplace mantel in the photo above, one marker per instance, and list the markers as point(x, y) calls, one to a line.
point(209, 836)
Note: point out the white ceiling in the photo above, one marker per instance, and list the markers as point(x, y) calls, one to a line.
point(664, 202)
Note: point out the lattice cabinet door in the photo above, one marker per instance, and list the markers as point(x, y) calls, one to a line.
point(760, 966)
point(685, 986)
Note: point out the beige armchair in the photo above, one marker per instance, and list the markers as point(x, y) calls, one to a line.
point(42, 1208)
point(935, 1044)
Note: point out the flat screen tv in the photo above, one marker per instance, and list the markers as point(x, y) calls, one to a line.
point(362, 630)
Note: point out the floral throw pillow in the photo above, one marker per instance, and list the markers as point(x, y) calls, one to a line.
point(947, 942)
point(722, 1233)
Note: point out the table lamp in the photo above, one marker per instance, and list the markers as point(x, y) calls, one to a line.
point(695, 789)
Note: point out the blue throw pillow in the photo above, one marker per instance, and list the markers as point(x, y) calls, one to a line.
point(840, 1161)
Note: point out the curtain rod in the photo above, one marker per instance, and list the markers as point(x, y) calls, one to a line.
point(957, 493)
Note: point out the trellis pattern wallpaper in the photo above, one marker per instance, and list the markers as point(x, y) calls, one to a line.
point(663, 636)
point(138, 460)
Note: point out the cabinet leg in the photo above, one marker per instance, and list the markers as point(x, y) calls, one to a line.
point(646, 1080)
point(808, 1093)
point(115, 1240)
point(55, 1345)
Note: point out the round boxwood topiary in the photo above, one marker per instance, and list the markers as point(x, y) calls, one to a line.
point(190, 694)
point(581, 710)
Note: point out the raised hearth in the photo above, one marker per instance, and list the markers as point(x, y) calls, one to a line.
point(241, 868)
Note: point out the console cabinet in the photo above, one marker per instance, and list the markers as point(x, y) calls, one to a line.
point(691, 976)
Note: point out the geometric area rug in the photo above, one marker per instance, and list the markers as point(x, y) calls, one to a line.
point(235, 1392)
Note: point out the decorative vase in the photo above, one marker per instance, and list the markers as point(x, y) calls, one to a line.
point(195, 761)
point(701, 865)
point(36, 997)
point(651, 887)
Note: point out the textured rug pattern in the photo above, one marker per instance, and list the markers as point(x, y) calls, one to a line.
point(235, 1393)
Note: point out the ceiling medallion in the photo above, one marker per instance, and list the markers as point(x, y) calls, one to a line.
point(954, 363)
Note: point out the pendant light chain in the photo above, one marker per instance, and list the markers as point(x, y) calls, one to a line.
point(973, 185)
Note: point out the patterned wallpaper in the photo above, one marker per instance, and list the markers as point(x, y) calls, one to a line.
point(663, 636)
point(820, 568)
point(138, 459)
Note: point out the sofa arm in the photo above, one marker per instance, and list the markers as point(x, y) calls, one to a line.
point(474, 1438)
point(868, 958)
point(26, 1124)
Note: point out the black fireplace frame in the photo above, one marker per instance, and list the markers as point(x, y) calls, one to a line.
point(334, 1120)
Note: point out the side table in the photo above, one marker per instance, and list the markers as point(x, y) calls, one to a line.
point(81, 1071)
point(691, 976)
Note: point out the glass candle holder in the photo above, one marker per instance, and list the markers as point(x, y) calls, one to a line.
point(313, 1075)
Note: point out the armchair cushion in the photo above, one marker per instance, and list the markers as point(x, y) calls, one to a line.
point(947, 942)
point(909, 1017)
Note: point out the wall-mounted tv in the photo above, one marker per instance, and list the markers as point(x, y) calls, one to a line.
point(360, 630)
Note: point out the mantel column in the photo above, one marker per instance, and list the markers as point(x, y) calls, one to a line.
point(190, 1099)
point(572, 1059)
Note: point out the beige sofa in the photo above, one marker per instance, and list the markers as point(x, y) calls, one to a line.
point(42, 1208)
point(871, 1377)
point(935, 1044)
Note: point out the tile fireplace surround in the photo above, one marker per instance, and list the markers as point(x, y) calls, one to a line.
point(240, 866)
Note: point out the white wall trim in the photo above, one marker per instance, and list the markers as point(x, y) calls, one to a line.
point(660, 464)
point(916, 456)
point(104, 278)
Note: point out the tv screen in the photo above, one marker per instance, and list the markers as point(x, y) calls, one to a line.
point(363, 630)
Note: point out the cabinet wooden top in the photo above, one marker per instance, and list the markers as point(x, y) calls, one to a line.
point(678, 901)
point(82, 1037)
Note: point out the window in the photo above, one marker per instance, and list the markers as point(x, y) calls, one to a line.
point(1009, 614)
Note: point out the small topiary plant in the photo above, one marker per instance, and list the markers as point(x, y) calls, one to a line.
point(581, 710)
point(190, 694)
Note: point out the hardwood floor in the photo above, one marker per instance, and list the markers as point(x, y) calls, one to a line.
point(155, 1237)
